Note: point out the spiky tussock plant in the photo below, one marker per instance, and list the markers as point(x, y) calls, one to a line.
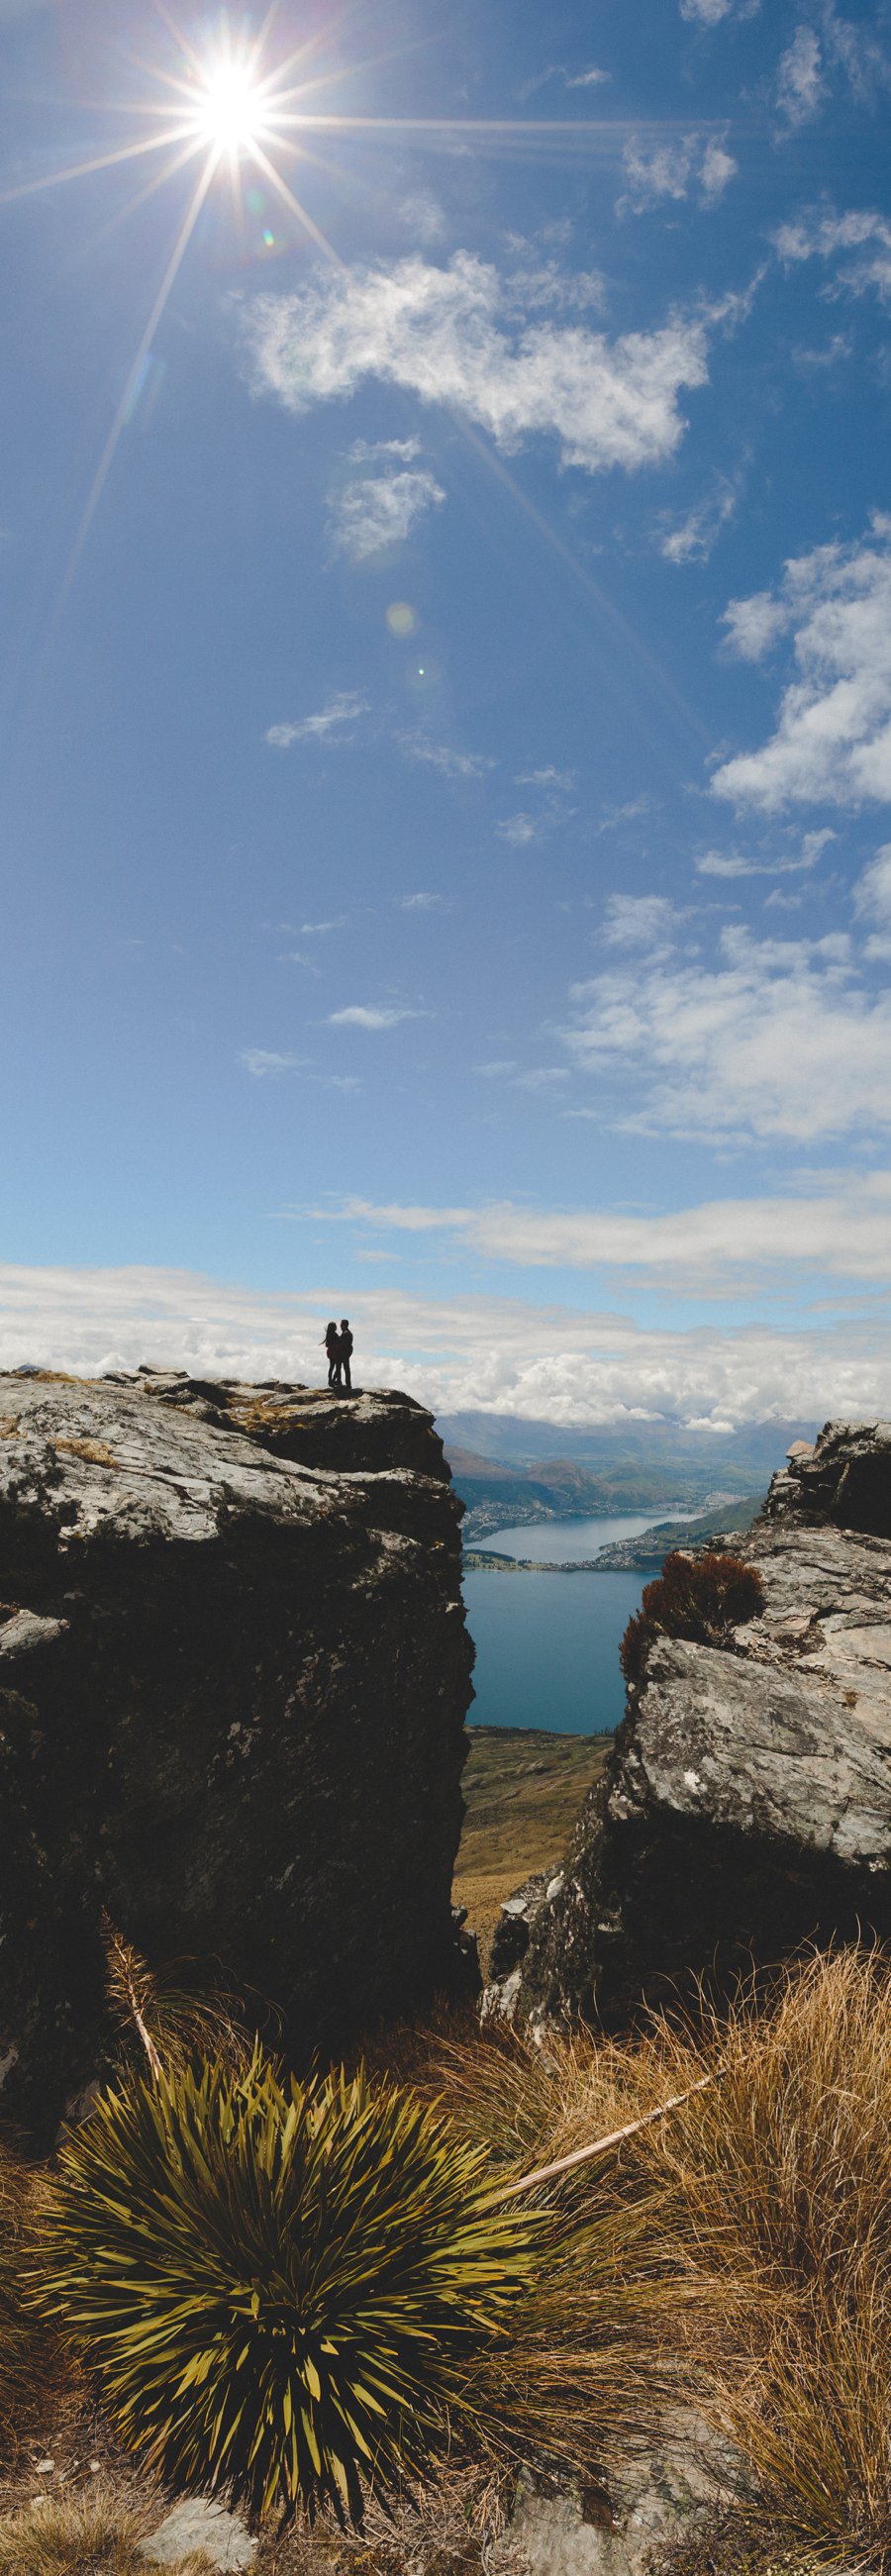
point(282, 2289)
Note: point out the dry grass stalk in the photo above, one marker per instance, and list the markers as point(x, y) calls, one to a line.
point(779, 2190)
point(90, 2534)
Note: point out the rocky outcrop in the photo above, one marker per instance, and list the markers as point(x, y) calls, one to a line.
point(233, 1677)
point(746, 1806)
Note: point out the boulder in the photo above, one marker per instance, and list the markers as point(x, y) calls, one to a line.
point(746, 1807)
point(234, 1671)
point(664, 2492)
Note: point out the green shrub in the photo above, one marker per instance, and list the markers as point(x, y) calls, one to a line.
point(697, 1597)
point(283, 2290)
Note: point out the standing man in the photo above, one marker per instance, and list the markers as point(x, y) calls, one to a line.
point(345, 1353)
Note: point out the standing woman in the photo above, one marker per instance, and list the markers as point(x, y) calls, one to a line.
point(332, 1340)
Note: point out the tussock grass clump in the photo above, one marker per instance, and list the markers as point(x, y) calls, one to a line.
point(779, 2181)
point(92, 2534)
point(702, 1598)
point(283, 2289)
point(30, 2361)
point(752, 2230)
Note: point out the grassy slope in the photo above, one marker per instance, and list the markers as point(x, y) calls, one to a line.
point(523, 1790)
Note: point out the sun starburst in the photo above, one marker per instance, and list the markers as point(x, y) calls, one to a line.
point(226, 107)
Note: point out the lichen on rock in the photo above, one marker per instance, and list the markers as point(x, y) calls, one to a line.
point(234, 1671)
point(746, 1807)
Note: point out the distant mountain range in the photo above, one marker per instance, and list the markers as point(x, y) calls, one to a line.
point(507, 1471)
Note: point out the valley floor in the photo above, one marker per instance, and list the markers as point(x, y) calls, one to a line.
point(523, 1791)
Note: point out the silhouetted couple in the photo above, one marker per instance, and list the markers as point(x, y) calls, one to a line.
point(339, 1346)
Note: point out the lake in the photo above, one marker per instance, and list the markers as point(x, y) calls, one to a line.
point(547, 1645)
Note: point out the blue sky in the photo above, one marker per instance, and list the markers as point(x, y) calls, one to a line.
point(446, 698)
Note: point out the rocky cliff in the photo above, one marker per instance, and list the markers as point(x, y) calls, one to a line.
point(233, 1678)
point(746, 1806)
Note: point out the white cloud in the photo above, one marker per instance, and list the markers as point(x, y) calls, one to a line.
point(615, 815)
point(833, 737)
point(842, 1230)
point(801, 87)
point(709, 13)
point(717, 169)
point(518, 830)
point(376, 511)
point(672, 169)
point(732, 863)
point(638, 920)
point(561, 778)
point(754, 624)
point(421, 903)
point(443, 334)
point(340, 711)
point(440, 755)
point(424, 218)
point(260, 1060)
point(693, 537)
point(780, 1039)
point(858, 243)
point(872, 893)
point(502, 1355)
point(592, 78)
point(362, 1015)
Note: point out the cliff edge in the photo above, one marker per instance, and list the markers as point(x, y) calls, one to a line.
point(234, 1672)
point(746, 1806)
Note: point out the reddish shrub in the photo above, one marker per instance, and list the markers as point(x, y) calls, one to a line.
point(698, 1597)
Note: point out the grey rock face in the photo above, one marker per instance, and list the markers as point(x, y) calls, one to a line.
point(201, 2525)
point(747, 1804)
point(663, 2492)
point(233, 1682)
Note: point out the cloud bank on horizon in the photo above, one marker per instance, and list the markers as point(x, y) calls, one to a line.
point(457, 1355)
point(449, 812)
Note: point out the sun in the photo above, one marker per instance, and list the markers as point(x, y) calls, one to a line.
point(230, 108)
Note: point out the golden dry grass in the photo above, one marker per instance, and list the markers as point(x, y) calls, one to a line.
point(91, 2534)
point(523, 1790)
point(31, 2361)
point(751, 2229)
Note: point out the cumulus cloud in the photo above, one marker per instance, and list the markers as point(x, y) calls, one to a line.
point(442, 756)
point(424, 218)
point(733, 863)
point(328, 725)
point(638, 920)
point(800, 84)
point(872, 902)
point(833, 739)
point(380, 505)
point(560, 778)
point(859, 245)
point(843, 1230)
point(518, 829)
point(672, 170)
point(837, 44)
point(262, 1060)
point(551, 1363)
point(365, 1015)
point(780, 1039)
point(692, 538)
point(444, 334)
point(709, 13)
